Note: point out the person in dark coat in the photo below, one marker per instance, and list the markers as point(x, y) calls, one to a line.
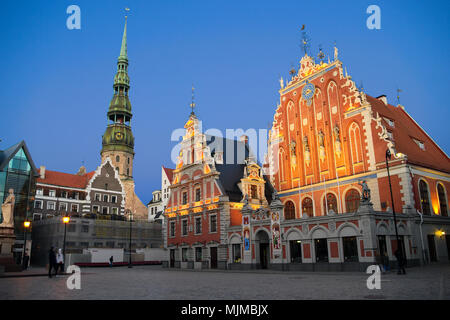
point(111, 259)
point(52, 262)
point(400, 261)
point(26, 259)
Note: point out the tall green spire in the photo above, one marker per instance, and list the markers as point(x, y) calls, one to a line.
point(118, 135)
point(123, 48)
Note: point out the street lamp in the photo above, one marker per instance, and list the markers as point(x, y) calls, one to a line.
point(130, 215)
point(388, 156)
point(66, 220)
point(26, 225)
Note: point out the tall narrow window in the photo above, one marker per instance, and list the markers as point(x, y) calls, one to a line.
point(307, 207)
point(352, 200)
point(213, 223)
point(184, 227)
point(442, 200)
point(289, 210)
point(197, 194)
point(329, 203)
point(424, 198)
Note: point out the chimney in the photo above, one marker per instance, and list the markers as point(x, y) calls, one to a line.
point(383, 98)
point(42, 172)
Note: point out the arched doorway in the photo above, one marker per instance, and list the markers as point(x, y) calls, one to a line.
point(262, 249)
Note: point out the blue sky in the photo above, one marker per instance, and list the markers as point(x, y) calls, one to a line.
point(56, 84)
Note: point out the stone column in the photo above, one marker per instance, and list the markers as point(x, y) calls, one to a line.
point(276, 206)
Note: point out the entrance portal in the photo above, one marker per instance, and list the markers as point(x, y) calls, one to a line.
point(262, 241)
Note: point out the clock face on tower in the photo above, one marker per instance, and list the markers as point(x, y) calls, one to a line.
point(119, 135)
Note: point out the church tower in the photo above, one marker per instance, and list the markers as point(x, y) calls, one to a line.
point(118, 140)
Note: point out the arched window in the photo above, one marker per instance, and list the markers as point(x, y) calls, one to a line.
point(355, 143)
point(329, 203)
point(117, 159)
point(443, 205)
point(424, 198)
point(307, 206)
point(352, 200)
point(289, 210)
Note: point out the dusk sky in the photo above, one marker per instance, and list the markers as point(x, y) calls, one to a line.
point(56, 83)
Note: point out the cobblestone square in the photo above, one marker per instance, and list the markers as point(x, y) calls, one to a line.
point(155, 282)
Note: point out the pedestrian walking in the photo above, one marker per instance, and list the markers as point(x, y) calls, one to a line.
point(59, 261)
point(51, 262)
point(111, 259)
point(386, 261)
point(400, 261)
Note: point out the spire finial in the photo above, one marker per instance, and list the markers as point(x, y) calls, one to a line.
point(123, 48)
point(192, 103)
point(398, 95)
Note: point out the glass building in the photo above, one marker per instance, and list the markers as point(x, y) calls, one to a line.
point(18, 172)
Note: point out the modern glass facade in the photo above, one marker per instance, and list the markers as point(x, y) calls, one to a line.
point(18, 175)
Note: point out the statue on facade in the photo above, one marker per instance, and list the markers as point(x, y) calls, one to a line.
point(321, 137)
point(337, 142)
point(307, 153)
point(365, 191)
point(8, 210)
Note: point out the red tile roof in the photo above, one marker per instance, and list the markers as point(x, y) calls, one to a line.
point(169, 173)
point(404, 130)
point(65, 179)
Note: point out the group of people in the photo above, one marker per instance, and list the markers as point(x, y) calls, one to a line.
point(55, 261)
point(401, 261)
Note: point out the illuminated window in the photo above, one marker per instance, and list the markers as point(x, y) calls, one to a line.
point(307, 206)
point(289, 210)
point(443, 205)
point(352, 200)
point(424, 198)
point(330, 203)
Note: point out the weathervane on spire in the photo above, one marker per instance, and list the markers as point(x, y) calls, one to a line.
point(192, 103)
point(398, 95)
point(126, 12)
point(305, 40)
